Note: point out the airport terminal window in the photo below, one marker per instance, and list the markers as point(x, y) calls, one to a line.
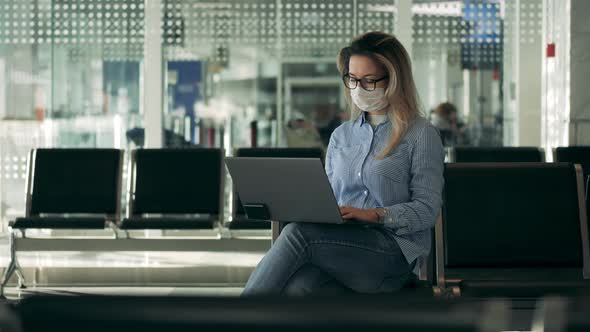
point(463, 53)
point(262, 63)
point(71, 72)
point(257, 54)
point(69, 77)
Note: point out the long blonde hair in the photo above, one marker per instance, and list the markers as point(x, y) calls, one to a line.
point(401, 92)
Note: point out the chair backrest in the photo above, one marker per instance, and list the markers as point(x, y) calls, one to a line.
point(513, 215)
point(175, 181)
point(185, 313)
point(576, 155)
point(76, 181)
point(497, 154)
point(273, 153)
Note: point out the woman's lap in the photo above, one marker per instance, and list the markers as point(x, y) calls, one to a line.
point(362, 258)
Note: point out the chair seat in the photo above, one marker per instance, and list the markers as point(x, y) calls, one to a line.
point(523, 288)
point(60, 222)
point(168, 223)
point(243, 223)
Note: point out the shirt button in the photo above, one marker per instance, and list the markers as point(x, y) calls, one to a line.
point(359, 174)
point(366, 192)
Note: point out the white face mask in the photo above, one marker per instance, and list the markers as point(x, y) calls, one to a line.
point(369, 101)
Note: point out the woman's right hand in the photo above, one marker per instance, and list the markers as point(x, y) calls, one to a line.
point(367, 215)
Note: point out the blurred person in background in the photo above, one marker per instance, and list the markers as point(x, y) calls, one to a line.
point(325, 119)
point(302, 133)
point(445, 117)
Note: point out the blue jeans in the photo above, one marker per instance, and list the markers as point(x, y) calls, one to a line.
point(307, 258)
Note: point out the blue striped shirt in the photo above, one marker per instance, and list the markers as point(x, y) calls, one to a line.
point(407, 183)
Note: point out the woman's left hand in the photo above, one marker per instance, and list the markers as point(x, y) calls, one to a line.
point(368, 215)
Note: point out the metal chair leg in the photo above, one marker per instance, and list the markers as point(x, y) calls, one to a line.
point(587, 188)
point(20, 275)
point(12, 265)
point(6, 276)
point(113, 227)
point(17, 269)
point(14, 258)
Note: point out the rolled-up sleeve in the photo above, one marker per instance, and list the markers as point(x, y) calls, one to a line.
point(426, 185)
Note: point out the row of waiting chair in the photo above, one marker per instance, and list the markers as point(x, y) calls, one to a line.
point(172, 186)
point(506, 216)
point(166, 188)
point(515, 229)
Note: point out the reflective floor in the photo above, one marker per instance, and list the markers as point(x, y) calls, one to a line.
point(216, 263)
point(15, 294)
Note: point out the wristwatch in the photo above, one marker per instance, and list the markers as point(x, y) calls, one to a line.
point(381, 213)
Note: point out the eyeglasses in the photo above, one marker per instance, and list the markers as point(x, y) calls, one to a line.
point(367, 84)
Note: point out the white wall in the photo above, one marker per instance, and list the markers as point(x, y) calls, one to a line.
point(19, 89)
point(3, 80)
point(580, 73)
point(528, 90)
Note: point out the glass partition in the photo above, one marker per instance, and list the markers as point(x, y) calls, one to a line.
point(70, 74)
point(241, 73)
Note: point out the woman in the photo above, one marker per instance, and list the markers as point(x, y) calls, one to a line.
point(386, 169)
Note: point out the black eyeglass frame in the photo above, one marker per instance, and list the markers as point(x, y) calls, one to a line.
point(347, 77)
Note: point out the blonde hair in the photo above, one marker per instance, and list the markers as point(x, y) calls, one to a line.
point(401, 92)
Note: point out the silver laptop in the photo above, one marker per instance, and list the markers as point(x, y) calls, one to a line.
point(284, 189)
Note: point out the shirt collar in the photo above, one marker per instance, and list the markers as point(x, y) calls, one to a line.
point(362, 119)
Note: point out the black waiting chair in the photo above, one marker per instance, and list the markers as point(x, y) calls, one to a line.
point(465, 154)
point(68, 189)
point(174, 189)
point(574, 154)
point(239, 219)
point(513, 229)
point(268, 314)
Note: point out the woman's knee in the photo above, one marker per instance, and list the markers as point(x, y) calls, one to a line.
point(303, 230)
point(291, 228)
point(293, 236)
